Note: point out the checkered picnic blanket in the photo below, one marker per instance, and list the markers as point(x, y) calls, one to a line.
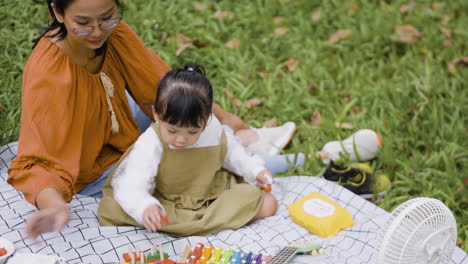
point(84, 241)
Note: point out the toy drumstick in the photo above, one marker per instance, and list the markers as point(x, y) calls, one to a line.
point(184, 257)
point(161, 252)
point(216, 255)
point(163, 260)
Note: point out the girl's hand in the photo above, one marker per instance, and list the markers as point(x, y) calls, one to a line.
point(153, 218)
point(47, 220)
point(265, 180)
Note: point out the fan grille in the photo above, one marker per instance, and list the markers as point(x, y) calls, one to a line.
point(421, 230)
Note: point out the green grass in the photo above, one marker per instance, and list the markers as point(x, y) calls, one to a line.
point(370, 79)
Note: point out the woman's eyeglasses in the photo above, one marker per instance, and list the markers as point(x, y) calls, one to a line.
point(105, 25)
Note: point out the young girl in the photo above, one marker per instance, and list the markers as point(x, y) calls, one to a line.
point(179, 168)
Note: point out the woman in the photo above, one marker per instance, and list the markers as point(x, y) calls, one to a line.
point(86, 89)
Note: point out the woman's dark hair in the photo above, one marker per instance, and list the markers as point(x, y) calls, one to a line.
point(184, 97)
point(60, 6)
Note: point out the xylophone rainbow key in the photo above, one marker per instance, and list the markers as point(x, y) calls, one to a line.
point(205, 256)
point(257, 259)
point(237, 257)
point(196, 253)
point(216, 255)
point(247, 258)
point(226, 256)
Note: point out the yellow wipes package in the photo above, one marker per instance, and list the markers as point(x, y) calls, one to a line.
point(320, 215)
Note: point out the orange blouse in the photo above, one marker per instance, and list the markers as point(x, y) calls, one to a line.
point(65, 139)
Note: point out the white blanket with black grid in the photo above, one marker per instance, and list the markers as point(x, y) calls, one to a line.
point(84, 241)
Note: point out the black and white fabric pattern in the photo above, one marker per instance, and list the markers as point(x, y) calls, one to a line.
point(84, 241)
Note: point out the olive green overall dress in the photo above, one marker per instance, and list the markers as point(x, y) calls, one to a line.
point(199, 197)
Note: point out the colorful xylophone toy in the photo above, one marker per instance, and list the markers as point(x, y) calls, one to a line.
point(201, 254)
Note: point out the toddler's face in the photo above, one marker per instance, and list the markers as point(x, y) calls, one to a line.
point(179, 137)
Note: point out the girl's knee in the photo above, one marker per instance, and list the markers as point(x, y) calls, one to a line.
point(270, 205)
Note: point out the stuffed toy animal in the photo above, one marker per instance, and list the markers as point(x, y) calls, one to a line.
point(363, 145)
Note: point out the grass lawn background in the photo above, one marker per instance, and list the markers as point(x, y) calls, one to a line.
point(392, 66)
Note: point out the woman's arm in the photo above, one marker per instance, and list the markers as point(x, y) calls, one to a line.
point(239, 161)
point(228, 119)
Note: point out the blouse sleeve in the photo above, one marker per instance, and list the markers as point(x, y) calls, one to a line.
point(50, 132)
point(134, 179)
point(142, 68)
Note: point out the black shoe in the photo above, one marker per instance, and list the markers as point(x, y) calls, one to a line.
point(358, 179)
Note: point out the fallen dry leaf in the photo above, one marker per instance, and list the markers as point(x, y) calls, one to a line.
point(447, 32)
point(163, 36)
point(236, 102)
point(253, 102)
point(264, 74)
point(233, 44)
point(316, 118)
point(271, 123)
point(457, 62)
point(311, 87)
point(437, 5)
point(290, 64)
point(278, 19)
point(388, 7)
point(199, 6)
point(446, 19)
point(280, 76)
point(197, 43)
point(281, 31)
point(357, 110)
point(344, 125)
point(183, 42)
point(353, 7)
point(407, 33)
point(407, 7)
point(447, 43)
point(221, 15)
point(339, 35)
point(316, 15)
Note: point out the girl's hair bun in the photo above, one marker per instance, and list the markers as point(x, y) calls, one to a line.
point(193, 67)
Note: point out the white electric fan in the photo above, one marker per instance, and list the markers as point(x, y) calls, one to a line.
point(421, 230)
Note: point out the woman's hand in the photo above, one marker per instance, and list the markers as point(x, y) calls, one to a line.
point(47, 220)
point(52, 216)
point(153, 218)
point(265, 180)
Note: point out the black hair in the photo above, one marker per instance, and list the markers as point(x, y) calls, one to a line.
point(60, 6)
point(185, 97)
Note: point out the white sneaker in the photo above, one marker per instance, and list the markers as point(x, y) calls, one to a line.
point(271, 140)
